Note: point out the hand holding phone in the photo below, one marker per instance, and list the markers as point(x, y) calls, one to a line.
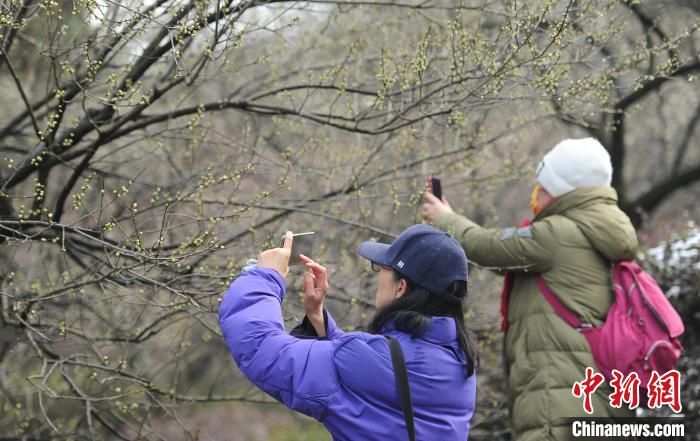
point(434, 206)
point(277, 258)
point(435, 186)
point(303, 243)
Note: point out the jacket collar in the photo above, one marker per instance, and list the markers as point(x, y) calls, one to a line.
point(441, 331)
point(579, 198)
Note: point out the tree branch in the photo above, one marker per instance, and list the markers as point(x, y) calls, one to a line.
point(648, 23)
point(68, 186)
point(30, 112)
point(14, 27)
point(654, 84)
point(617, 144)
point(652, 198)
point(685, 142)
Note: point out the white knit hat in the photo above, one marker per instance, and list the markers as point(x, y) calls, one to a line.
point(575, 163)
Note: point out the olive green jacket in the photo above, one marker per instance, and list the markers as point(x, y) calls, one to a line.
point(571, 243)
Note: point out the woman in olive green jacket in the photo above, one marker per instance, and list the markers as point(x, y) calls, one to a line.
point(578, 230)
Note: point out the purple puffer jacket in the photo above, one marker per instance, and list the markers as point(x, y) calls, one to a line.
point(346, 381)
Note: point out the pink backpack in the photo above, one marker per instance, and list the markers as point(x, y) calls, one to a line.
point(641, 330)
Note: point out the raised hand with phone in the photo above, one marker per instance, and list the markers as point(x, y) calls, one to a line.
point(278, 258)
point(293, 249)
point(435, 186)
point(292, 246)
point(434, 203)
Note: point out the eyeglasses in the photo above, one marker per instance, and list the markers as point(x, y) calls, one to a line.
point(377, 267)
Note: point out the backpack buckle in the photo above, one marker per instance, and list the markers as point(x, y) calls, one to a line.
point(583, 326)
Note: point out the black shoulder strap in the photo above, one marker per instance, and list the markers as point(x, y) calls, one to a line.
point(399, 364)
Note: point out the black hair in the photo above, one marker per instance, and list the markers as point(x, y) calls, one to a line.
point(412, 314)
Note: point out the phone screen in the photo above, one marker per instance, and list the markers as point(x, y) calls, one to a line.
point(303, 243)
point(436, 187)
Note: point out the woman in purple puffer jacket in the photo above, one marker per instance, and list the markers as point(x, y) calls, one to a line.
point(346, 380)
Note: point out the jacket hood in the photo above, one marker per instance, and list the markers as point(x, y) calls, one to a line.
point(596, 213)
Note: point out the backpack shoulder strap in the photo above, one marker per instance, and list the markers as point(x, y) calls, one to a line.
point(562, 311)
point(397, 360)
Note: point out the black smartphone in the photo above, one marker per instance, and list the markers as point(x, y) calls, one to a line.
point(303, 243)
point(435, 186)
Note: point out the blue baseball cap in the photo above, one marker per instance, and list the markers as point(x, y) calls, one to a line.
point(425, 255)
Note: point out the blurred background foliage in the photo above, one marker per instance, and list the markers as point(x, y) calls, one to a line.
point(148, 149)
